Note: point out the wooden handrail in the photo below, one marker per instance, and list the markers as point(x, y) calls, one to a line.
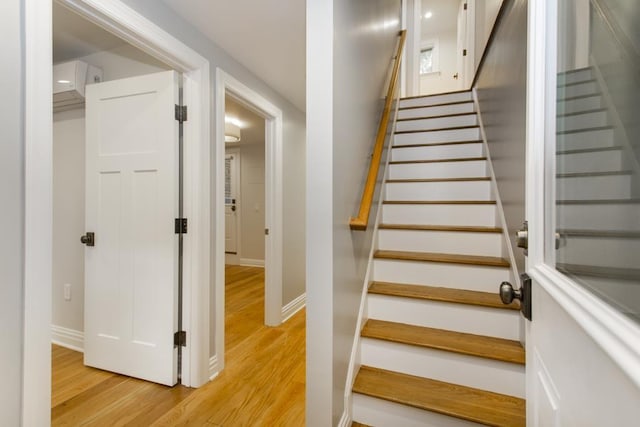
point(361, 221)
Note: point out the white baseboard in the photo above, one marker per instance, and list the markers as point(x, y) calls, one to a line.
point(68, 338)
point(213, 367)
point(293, 307)
point(247, 262)
point(345, 421)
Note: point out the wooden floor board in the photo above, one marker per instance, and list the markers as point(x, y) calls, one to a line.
point(263, 383)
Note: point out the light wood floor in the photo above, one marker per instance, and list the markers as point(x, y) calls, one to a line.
point(263, 383)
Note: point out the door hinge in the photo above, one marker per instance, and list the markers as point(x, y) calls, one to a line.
point(181, 113)
point(464, 52)
point(181, 225)
point(465, 6)
point(180, 339)
point(266, 231)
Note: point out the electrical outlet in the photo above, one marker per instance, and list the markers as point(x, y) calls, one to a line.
point(67, 292)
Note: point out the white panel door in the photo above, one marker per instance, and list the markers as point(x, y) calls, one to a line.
point(131, 203)
point(583, 343)
point(230, 203)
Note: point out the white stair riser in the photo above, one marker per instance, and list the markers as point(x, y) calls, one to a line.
point(382, 413)
point(450, 242)
point(582, 121)
point(594, 187)
point(471, 319)
point(448, 190)
point(436, 100)
point(429, 137)
point(466, 107)
point(460, 276)
point(437, 152)
point(437, 123)
point(467, 169)
point(584, 140)
point(599, 251)
point(599, 217)
point(598, 161)
point(483, 215)
point(580, 104)
point(579, 89)
point(477, 372)
point(575, 76)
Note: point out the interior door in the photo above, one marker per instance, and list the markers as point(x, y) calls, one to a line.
point(131, 204)
point(231, 203)
point(461, 44)
point(583, 343)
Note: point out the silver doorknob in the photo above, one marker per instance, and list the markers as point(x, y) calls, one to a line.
point(508, 294)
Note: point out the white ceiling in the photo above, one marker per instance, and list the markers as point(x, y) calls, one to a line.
point(74, 37)
point(444, 19)
point(266, 36)
point(253, 126)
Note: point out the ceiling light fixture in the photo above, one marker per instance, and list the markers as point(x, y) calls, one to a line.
point(428, 15)
point(231, 132)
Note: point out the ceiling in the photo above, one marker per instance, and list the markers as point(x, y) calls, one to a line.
point(253, 126)
point(444, 19)
point(266, 36)
point(74, 36)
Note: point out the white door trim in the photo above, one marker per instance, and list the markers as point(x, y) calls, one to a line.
point(273, 201)
point(617, 335)
point(134, 28)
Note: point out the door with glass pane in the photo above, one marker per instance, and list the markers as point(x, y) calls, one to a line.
point(583, 208)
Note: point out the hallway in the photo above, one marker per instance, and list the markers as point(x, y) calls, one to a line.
point(263, 382)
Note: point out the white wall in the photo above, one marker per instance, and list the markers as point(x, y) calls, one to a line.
point(294, 145)
point(486, 12)
point(68, 189)
point(346, 74)
point(442, 80)
point(12, 211)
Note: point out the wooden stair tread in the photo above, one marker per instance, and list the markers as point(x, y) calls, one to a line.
point(618, 234)
point(435, 144)
point(423, 227)
point(598, 202)
point(467, 403)
point(455, 159)
point(435, 105)
point(588, 174)
point(453, 92)
point(457, 342)
point(442, 257)
point(577, 113)
point(408, 180)
point(581, 130)
point(436, 293)
point(571, 98)
point(437, 130)
point(589, 150)
point(356, 424)
point(439, 202)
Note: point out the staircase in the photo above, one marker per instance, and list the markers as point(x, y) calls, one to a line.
point(597, 192)
point(437, 347)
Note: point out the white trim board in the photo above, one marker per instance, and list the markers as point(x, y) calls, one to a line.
point(213, 367)
point(124, 22)
point(67, 338)
point(248, 262)
point(293, 307)
point(273, 201)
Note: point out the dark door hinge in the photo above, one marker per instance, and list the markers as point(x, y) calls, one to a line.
point(181, 113)
point(465, 6)
point(180, 339)
point(464, 52)
point(181, 225)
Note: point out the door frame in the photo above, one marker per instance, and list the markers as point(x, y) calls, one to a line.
point(614, 333)
point(273, 203)
point(235, 151)
point(126, 23)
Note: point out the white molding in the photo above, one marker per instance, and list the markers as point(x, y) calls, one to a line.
point(38, 222)
point(68, 338)
point(273, 197)
point(345, 420)
point(293, 307)
point(248, 262)
point(213, 367)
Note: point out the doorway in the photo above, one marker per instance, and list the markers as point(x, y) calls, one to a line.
point(226, 85)
point(133, 28)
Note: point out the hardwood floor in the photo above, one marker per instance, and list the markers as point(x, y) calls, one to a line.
point(263, 383)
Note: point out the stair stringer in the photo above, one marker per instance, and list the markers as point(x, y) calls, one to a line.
point(507, 247)
point(354, 360)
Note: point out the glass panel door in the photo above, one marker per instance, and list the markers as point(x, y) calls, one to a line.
point(594, 231)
